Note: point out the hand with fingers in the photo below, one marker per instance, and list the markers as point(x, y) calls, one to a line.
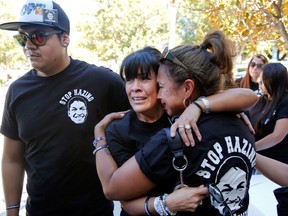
point(246, 120)
point(187, 198)
point(186, 124)
point(99, 129)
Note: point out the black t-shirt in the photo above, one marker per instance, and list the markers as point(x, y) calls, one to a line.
point(126, 136)
point(253, 86)
point(55, 118)
point(280, 150)
point(225, 156)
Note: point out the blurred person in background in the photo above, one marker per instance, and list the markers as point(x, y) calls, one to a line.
point(253, 71)
point(269, 116)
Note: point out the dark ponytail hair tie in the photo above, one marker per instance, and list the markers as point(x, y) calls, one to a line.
point(202, 46)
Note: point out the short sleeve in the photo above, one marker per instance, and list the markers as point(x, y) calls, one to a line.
point(282, 110)
point(155, 159)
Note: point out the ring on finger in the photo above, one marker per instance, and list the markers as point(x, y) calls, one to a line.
point(180, 126)
point(201, 202)
point(187, 127)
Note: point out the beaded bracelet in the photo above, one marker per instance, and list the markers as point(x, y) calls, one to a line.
point(99, 148)
point(159, 208)
point(12, 206)
point(98, 139)
point(166, 207)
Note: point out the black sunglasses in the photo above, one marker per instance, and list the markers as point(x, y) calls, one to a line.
point(218, 196)
point(37, 38)
point(253, 64)
point(166, 54)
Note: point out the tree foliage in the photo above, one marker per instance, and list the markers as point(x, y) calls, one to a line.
point(192, 26)
point(117, 28)
point(250, 22)
point(108, 30)
point(10, 53)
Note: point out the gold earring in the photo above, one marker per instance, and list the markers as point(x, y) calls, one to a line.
point(185, 102)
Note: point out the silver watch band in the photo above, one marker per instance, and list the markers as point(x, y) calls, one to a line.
point(206, 103)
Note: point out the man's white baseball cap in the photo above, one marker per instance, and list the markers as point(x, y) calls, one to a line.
point(40, 12)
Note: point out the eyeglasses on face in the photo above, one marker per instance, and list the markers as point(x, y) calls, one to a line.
point(166, 54)
point(37, 38)
point(253, 64)
point(218, 196)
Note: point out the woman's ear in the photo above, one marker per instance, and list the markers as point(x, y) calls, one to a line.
point(189, 88)
point(65, 39)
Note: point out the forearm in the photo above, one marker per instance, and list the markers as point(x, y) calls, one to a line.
point(268, 142)
point(279, 133)
point(12, 176)
point(275, 170)
point(231, 100)
point(105, 165)
point(123, 183)
point(12, 173)
point(184, 199)
point(144, 205)
point(137, 206)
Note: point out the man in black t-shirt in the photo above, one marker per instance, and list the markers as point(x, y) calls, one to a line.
point(48, 120)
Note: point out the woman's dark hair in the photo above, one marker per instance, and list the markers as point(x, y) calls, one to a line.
point(246, 80)
point(275, 79)
point(143, 60)
point(207, 63)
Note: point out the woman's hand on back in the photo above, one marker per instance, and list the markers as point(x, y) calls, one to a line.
point(186, 123)
point(187, 198)
point(99, 129)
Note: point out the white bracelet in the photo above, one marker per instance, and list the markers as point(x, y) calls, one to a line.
point(206, 103)
point(166, 207)
point(159, 207)
point(12, 207)
point(99, 148)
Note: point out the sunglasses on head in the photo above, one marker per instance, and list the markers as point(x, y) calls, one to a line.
point(218, 197)
point(37, 38)
point(166, 54)
point(253, 64)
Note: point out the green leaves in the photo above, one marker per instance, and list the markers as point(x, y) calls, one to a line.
point(121, 27)
point(105, 31)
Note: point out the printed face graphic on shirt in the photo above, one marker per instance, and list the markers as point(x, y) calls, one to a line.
point(228, 164)
point(233, 185)
point(77, 110)
point(233, 188)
